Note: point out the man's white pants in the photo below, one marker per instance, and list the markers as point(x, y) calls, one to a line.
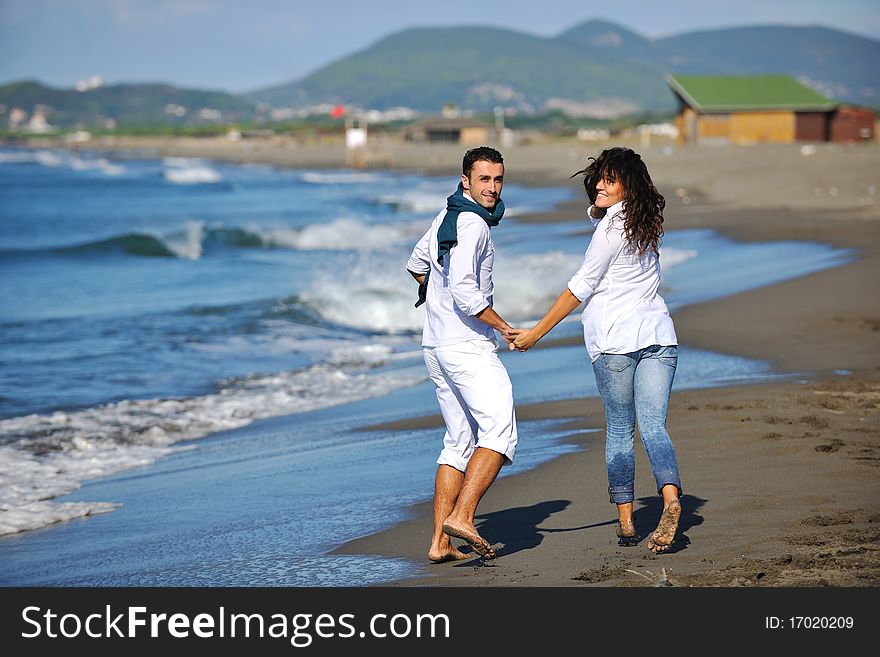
point(476, 400)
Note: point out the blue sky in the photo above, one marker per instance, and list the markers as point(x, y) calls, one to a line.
point(239, 45)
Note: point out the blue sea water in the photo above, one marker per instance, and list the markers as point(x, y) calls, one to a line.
point(187, 349)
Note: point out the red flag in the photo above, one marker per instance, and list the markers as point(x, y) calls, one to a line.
point(337, 112)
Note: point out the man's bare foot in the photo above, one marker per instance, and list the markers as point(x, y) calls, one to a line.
point(450, 553)
point(469, 534)
point(663, 536)
point(626, 534)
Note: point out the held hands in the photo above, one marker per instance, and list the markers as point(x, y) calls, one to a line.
point(525, 340)
point(509, 334)
point(519, 339)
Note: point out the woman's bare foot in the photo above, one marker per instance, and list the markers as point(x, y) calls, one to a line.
point(663, 536)
point(469, 534)
point(626, 533)
point(450, 553)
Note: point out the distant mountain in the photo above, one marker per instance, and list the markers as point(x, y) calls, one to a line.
point(477, 68)
point(596, 66)
point(607, 37)
point(126, 104)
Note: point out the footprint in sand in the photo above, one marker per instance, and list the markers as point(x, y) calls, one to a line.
point(831, 447)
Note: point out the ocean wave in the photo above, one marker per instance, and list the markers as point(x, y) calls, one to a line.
point(62, 159)
point(133, 244)
point(526, 285)
point(189, 171)
point(190, 242)
point(192, 176)
point(338, 178)
point(670, 257)
point(46, 456)
point(185, 244)
point(343, 234)
point(16, 157)
point(100, 164)
point(374, 296)
point(420, 202)
point(49, 158)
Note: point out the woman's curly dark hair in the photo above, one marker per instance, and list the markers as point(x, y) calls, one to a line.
point(643, 204)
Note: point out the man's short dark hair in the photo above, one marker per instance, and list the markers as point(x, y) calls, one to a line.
point(477, 154)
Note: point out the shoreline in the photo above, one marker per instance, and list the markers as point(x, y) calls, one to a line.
point(748, 517)
point(727, 176)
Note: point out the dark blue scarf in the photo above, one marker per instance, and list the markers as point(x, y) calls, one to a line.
point(447, 234)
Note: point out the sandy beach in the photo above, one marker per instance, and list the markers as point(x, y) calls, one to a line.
point(781, 484)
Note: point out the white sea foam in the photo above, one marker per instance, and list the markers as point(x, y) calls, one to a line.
point(670, 257)
point(28, 482)
point(17, 157)
point(343, 234)
point(189, 171)
point(362, 355)
point(49, 159)
point(374, 294)
point(337, 178)
point(192, 176)
point(188, 244)
point(50, 455)
point(59, 159)
point(526, 285)
point(419, 201)
point(100, 164)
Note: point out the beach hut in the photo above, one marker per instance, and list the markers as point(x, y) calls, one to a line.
point(853, 124)
point(454, 130)
point(749, 109)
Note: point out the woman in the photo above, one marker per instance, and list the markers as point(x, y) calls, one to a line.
point(628, 332)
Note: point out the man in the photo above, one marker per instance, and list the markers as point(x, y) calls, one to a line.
point(453, 264)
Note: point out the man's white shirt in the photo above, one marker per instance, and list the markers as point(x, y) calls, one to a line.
point(461, 286)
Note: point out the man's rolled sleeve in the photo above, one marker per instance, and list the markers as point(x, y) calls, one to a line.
point(464, 261)
point(604, 247)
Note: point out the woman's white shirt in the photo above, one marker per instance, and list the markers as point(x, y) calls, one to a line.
point(624, 311)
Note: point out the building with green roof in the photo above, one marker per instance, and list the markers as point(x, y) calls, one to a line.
point(762, 108)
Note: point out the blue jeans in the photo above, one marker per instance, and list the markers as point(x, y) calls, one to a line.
point(636, 386)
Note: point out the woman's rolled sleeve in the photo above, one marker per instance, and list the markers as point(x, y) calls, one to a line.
point(604, 247)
